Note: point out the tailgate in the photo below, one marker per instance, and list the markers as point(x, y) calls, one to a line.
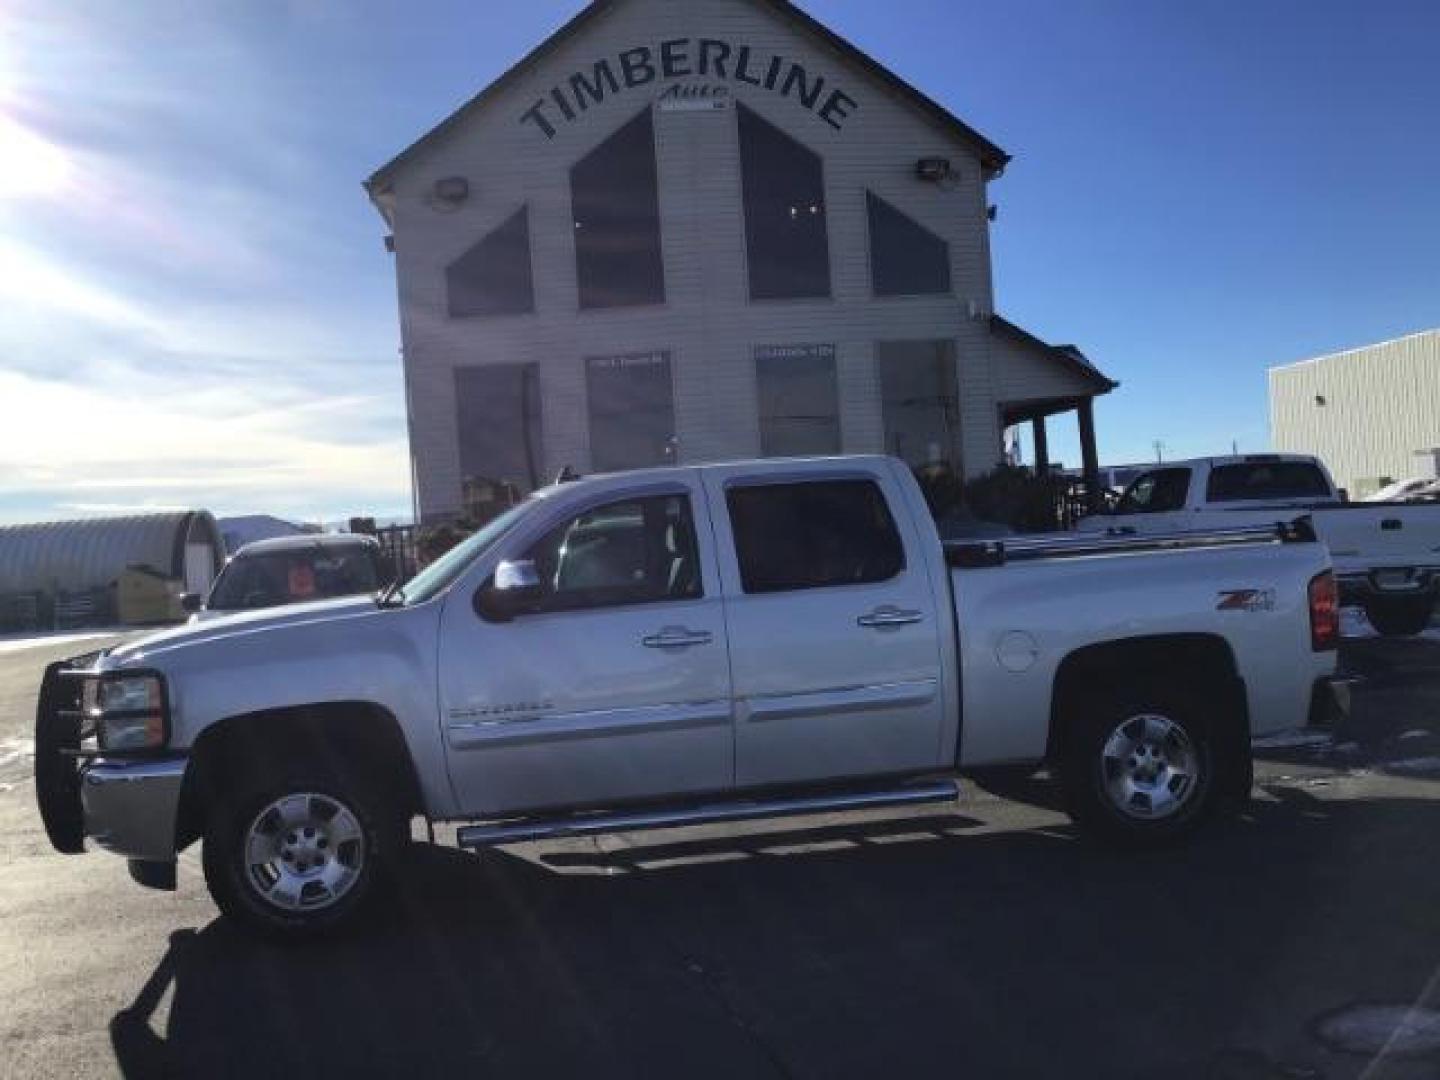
point(1367, 537)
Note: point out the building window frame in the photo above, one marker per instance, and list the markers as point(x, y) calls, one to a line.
point(591, 363)
point(522, 212)
point(772, 356)
point(828, 297)
point(868, 194)
point(581, 306)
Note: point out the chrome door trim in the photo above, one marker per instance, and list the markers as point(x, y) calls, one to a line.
point(841, 700)
point(676, 637)
point(888, 615)
point(526, 730)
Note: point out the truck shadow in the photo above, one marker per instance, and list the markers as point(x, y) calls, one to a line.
point(890, 948)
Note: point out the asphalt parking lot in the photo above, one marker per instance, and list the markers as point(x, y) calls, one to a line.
point(985, 940)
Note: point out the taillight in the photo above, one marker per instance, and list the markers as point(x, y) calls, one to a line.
point(1324, 612)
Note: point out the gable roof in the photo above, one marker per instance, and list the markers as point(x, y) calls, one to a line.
point(991, 156)
point(1067, 355)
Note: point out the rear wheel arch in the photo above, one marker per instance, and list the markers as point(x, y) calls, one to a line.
point(359, 739)
point(1203, 661)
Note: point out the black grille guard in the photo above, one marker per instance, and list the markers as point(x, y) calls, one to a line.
point(59, 722)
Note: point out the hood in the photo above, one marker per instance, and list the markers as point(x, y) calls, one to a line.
point(217, 626)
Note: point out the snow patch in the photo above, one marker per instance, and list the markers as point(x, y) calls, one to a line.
point(1392, 1030)
point(1418, 765)
point(36, 641)
point(16, 750)
point(1287, 740)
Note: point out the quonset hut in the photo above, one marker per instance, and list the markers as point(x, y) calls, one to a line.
point(63, 573)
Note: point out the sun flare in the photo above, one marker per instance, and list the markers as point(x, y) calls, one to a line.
point(29, 164)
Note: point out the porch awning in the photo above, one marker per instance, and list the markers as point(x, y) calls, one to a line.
point(1034, 378)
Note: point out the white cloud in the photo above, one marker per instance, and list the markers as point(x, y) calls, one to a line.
point(183, 323)
point(193, 448)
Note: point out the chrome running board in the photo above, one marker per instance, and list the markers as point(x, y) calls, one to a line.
point(513, 832)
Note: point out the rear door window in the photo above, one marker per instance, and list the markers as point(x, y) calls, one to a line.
point(1260, 480)
point(813, 535)
point(1156, 492)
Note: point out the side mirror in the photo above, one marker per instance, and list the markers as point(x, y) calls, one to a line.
point(514, 587)
point(192, 602)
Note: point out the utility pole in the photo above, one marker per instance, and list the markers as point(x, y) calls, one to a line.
point(1159, 451)
point(1234, 447)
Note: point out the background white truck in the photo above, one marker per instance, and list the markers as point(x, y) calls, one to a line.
point(1387, 555)
point(684, 645)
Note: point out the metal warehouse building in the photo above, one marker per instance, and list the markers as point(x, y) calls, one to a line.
point(1371, 414)
point(688, 230)
point(79, 571)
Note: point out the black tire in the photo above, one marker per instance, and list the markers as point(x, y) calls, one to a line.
point(1400, 616)
point(1196, 769)
point(367, 841)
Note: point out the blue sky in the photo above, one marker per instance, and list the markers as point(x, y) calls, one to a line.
point(195, 307)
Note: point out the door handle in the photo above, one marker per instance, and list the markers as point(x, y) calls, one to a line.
point(883, 617)
point(677, 637)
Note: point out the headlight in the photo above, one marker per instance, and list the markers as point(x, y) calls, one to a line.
point(129, 711)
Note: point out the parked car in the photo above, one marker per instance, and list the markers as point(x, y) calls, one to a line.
point(684, 645)
point(1387, 555)
point(1402, 490)
point(292, 570)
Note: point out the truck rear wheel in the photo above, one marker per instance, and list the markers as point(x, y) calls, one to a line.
point(1400, 616)
point(299, 856)
point(1142, 767)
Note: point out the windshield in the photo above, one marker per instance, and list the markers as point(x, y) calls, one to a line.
point(436, 577)
point(292, 577)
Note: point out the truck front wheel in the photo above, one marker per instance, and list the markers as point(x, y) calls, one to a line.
point(296, 857)
point(1400, 616)
point(1142, 767)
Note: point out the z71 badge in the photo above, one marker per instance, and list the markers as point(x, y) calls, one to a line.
point(1246, 600)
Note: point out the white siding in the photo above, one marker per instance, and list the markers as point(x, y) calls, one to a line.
point(708, 324)
point(1382, 403)
point(1025, 373)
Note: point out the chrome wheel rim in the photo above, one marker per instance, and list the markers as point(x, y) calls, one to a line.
point(304, 852)
point(1149, 767)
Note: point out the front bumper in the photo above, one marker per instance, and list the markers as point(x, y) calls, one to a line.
point(131, 806)
point(128, 805)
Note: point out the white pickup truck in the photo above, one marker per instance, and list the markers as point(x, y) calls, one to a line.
point(685, 645)
point(1387, 555)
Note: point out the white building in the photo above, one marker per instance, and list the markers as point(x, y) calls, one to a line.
point(685, 230)
point(1371, 414)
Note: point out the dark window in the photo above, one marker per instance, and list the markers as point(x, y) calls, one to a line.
point(497, 419)
point(267, 579)
point(906, 259)
point(1156, 492)
point(1267, 480)
point(632, 411)
point(920, 400)
point(799, 405)
point(493, 277)
point(812, 535)
point(784, 191)
point(616, 203)
point(638, 551)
